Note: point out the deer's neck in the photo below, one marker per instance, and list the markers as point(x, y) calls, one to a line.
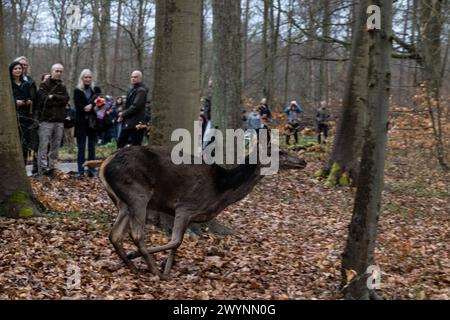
point(236, 183)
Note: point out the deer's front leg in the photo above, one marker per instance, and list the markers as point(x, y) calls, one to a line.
point(181, 223)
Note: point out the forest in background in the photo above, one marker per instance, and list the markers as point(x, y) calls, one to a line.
point(291, 49)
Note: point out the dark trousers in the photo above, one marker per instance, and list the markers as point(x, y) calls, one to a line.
point(322, 127)
point(25, 130)
point(135, 136)
point(81, 143)
point(288, 137)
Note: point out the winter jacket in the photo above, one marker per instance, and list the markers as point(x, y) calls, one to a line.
point(254, 121)
point(293, 115)
point(52, 109)
point(134, 111)
point(22, 92)
point(264, 110)
point(83, 118)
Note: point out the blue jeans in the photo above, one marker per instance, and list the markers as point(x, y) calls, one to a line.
point(81, 143)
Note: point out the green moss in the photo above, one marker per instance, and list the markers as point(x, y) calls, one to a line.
point(319, 173)
point(19, 197)
point(18, 205)
point(332, 179)
point(344, 180)
point(26, 213)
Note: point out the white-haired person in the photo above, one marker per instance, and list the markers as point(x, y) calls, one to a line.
point(84, 97)
point(53, 98)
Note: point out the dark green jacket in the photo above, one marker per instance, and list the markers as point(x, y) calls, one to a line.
point(52, 109)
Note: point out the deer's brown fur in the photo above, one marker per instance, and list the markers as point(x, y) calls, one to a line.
point(143, 181)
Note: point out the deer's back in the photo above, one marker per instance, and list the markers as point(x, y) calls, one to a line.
point(150, 170)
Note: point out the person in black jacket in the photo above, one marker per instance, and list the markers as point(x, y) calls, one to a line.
point(133, 113)
point(53, 98)
point(34, 122)
point(22, 98)
point(84, 97)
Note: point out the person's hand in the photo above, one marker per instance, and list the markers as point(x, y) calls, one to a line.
point(20, 103)
point(68, 118)
point(50, 96)
point(88, 108)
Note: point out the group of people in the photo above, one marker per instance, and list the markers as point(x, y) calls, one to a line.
point(43, 114)
point(261, 116)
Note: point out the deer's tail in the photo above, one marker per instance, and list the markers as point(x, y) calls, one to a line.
point(101, 175)
point(94, 164)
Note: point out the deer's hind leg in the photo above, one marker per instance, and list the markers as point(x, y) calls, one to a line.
point(153, 218)
point(118, 232)
point(137, 232)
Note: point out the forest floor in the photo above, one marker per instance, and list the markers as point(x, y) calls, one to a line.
point(289, 234)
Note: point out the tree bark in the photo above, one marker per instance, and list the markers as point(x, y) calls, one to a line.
point(176, 95)
point(15, 189)
point(226, 101)
point(347, 145)
point(431, 24)
point(359, 252)
point(104, 31)
point(245, 44)
point(288, 51)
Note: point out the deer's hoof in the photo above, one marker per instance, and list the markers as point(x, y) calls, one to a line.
point(133, 255)
point(164, 277)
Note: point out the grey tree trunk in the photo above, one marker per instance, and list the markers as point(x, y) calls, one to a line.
point(347, 145)
point(245, 44)
point(288, 51)
point(104, 32)
point(359, 252)
point(431, 24)
point(226, 101)
point(176, 95)
point(117, 49)
point(15, 189)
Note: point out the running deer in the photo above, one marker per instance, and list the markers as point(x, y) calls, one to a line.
point(143, 181)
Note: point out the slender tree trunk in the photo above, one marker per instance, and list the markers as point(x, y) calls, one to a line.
point(95, 52)
point(347, 145)
point(140, 35)
point(15, 188)
point(323, 80)
point(104, 30)
point(245, 44)
point(359, 252)
point(226, 101)
point(288, 51)
point(431, 23)
point(266, 52)
point(117, 49)
point(176, 93)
